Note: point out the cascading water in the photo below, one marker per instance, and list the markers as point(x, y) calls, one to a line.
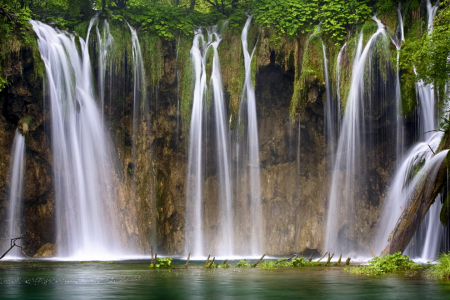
point(105, 41)
point(249, 99)
point(331, 112)
point(340, 228)
point(139, 92)
point(400, 125)
point(86, 224)
point(426, 243)
point(195, 233)
point(17, 168)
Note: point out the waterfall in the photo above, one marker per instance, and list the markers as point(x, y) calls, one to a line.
point(248, 98)
point(201, 51)
point(86, 225)
point(16, 171)
point(331, 112)
point(426, 242)
point(105, 41)
point(397, 41)
point(338, 85)
point(139, 92)
point(340, 228)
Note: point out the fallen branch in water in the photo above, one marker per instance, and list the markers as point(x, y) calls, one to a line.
point(283, 260)
point(322, 257)
point(329, 259)
point(13, 244)
point(210, 265)
point(187, 262)
point(254, 265)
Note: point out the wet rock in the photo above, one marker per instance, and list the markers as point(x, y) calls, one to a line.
point(46, 251)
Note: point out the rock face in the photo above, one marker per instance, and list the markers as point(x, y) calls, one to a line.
point(23, 98)
point(47, 250)
point(150, 176)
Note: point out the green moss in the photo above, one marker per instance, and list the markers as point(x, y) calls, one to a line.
point(312, 74)
point(233, 72)
point(153, 57)
point(408, 92)
point(27, 120)
point(186, 85)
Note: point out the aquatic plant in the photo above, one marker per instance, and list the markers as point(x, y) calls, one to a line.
point(442, 268)
point(385, 265)
point(243, 264)
point(268, 265)
point(301, 262)
point(162, 263)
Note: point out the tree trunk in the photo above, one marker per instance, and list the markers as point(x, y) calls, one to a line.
point(192, 5)
point(411, 217)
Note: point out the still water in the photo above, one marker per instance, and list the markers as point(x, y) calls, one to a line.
point(40, 279)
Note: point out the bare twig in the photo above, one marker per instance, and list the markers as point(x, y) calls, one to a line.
point(372, 253)
point(283, 260)
point(329, 259)
point(338, 263)
point(210, 265)
point(187, 262)
point(322, 257)
point(254, 265)
point(431, 150)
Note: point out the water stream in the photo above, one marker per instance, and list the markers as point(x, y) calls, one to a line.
point(17, 181)
point(343, 196)
point(86, 220)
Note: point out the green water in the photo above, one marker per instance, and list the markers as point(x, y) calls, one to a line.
point(37, 279)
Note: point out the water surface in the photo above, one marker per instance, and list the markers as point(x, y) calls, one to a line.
point(39, 279)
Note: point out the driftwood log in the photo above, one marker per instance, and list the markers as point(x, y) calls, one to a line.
point(423, 198)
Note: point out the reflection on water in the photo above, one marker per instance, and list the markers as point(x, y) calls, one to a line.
point(37, 279)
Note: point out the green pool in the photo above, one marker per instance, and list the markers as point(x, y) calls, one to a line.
point(38, 279)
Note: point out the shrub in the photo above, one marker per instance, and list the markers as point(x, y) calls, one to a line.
point(385, 265)
point(162, 263)
point(442, 268)
point(243, 264)
point(301, 262)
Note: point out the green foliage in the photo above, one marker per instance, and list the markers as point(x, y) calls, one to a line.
point(336, 16)
point(442, 268)
point(288, 17)
point(301, 262)
point(385, 265)
point(225, 266)
point(243, 264)
point(268, 265)
point(162, 263)
point(3, 82)
point(312, 74)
